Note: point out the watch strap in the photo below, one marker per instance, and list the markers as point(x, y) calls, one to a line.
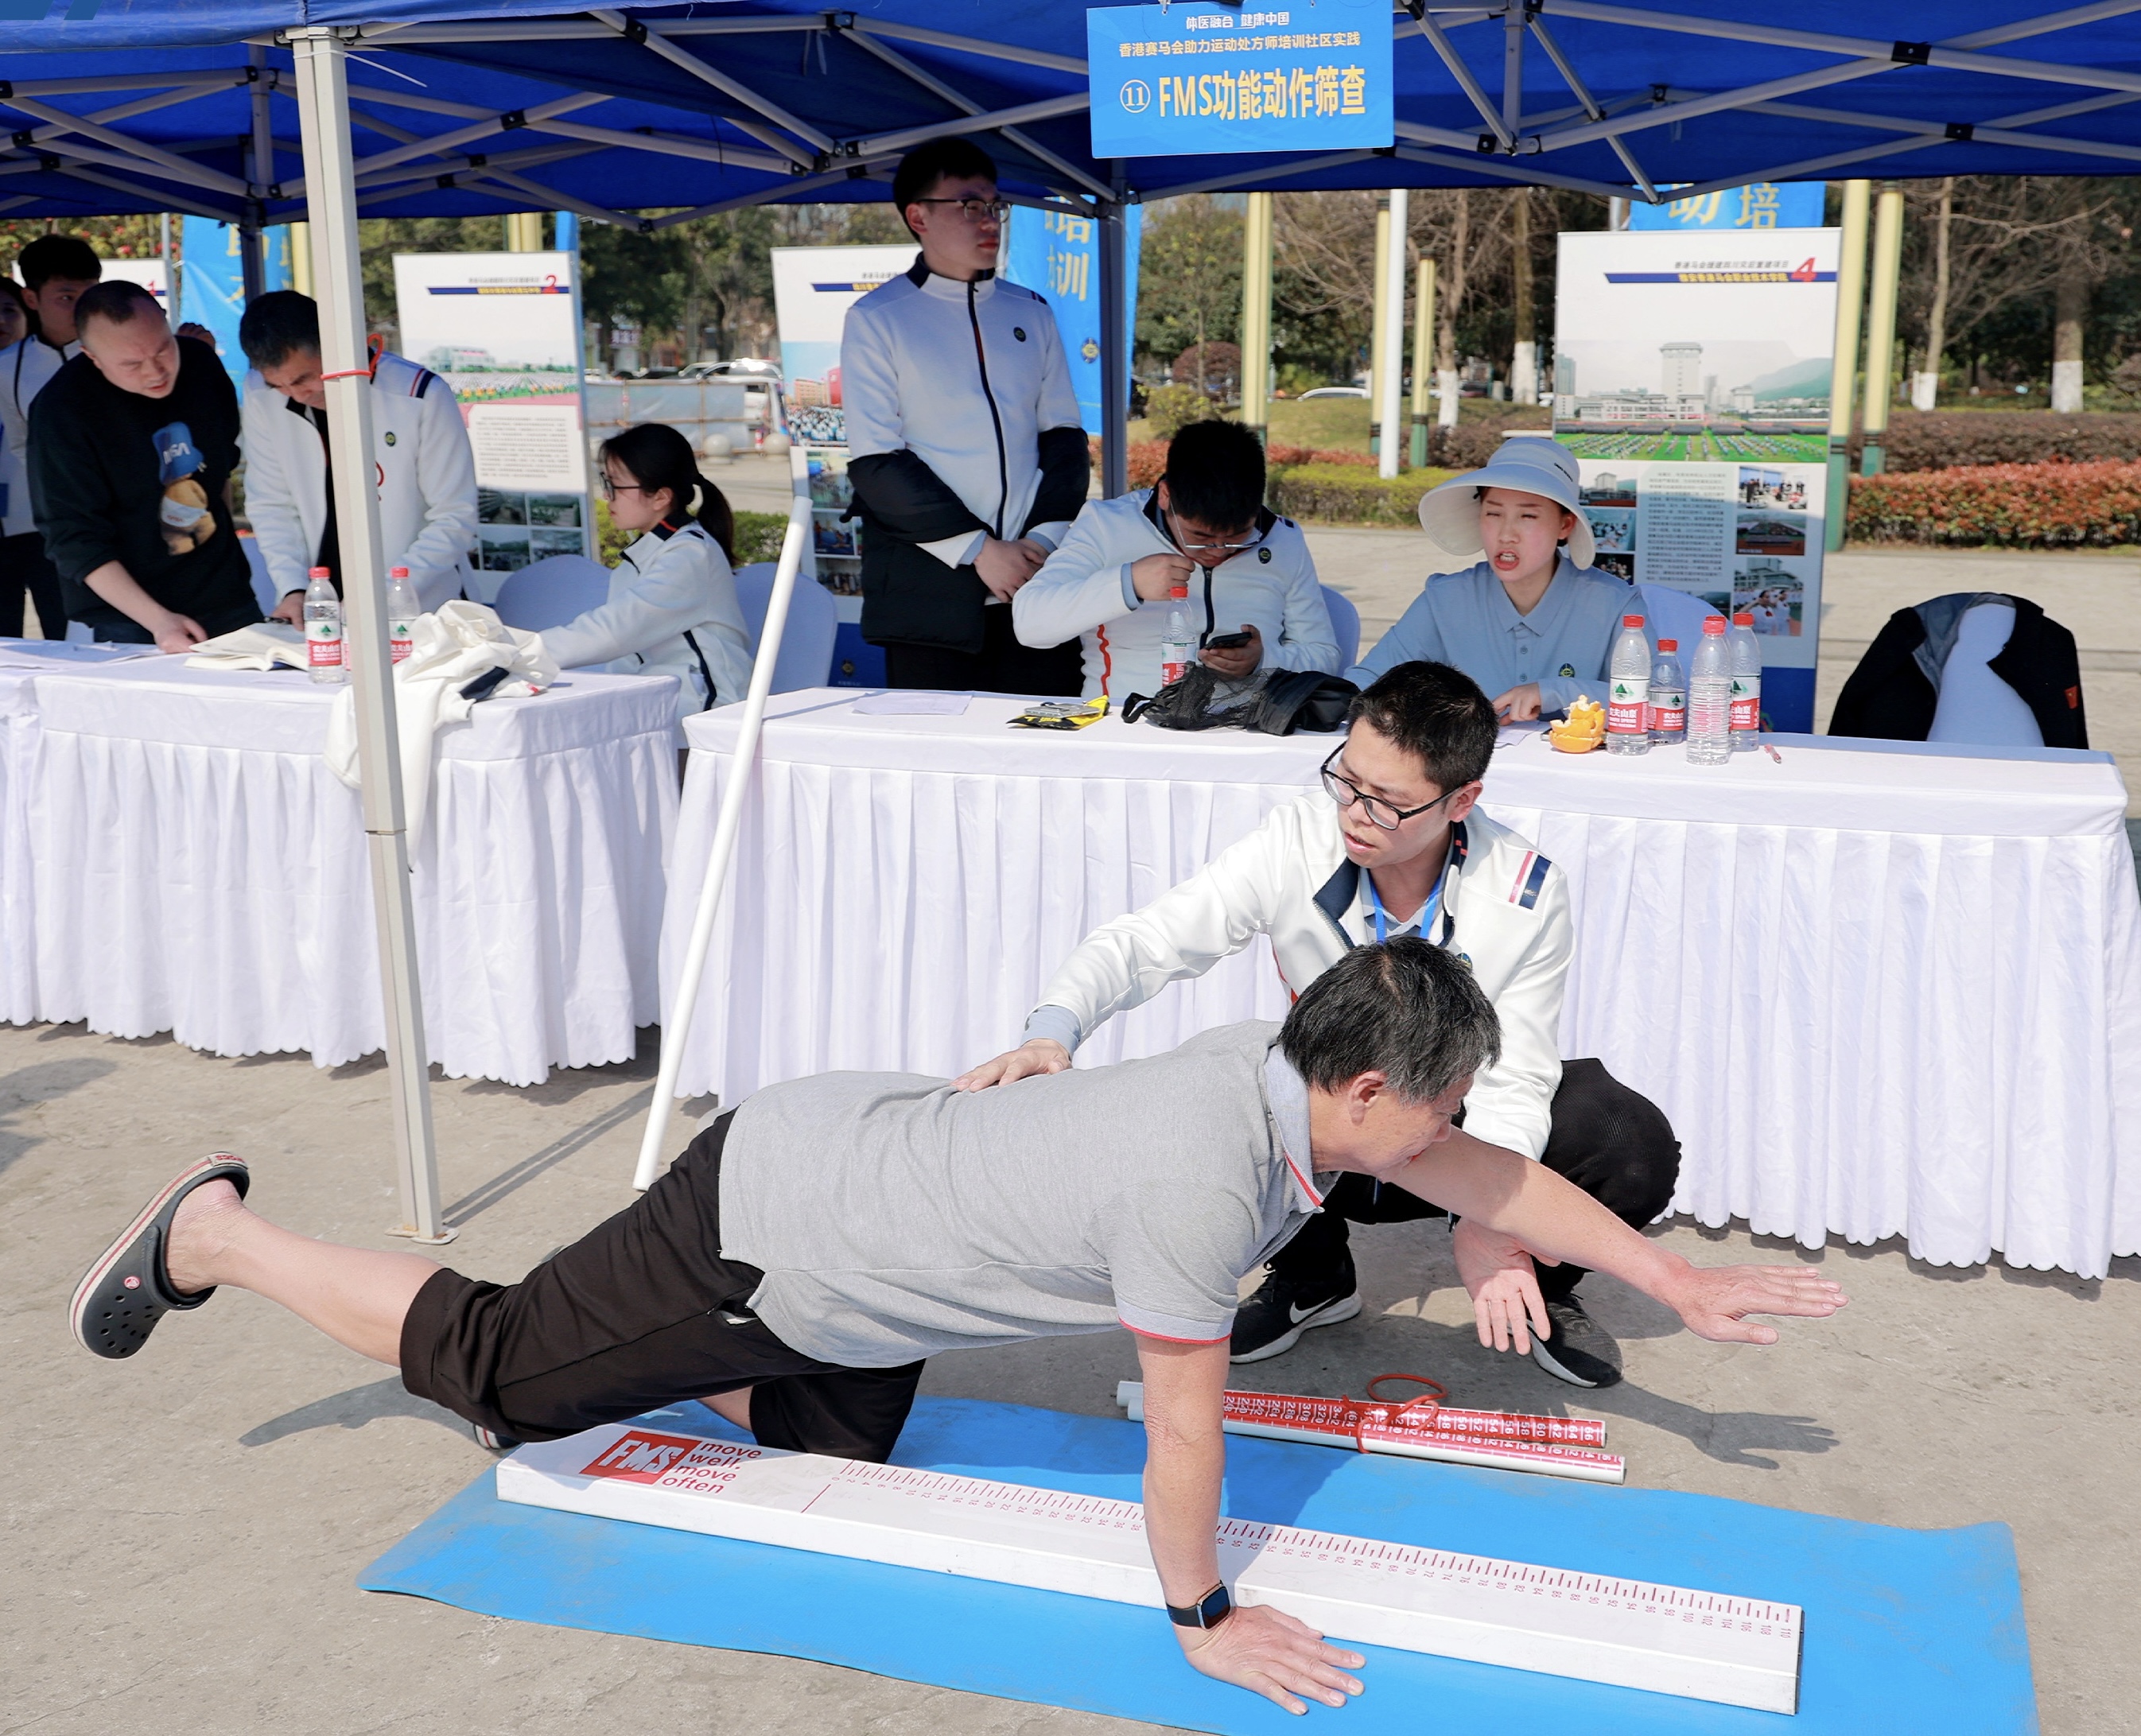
point(1209, 1611)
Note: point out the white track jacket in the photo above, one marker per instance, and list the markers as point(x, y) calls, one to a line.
point(1504, 911)
point(672, 610)
point(25, 368)
point(423, 468)
point(1084, 589)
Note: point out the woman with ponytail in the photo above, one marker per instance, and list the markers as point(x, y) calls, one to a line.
point(672, 608)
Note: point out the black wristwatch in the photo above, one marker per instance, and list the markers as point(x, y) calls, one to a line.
point(1209, 1611)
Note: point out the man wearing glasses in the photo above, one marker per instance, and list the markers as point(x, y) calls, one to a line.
point(966, 452)
point(1393, 844)
point(1252, 595)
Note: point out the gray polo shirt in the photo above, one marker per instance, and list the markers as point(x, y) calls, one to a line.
point(894, 1218)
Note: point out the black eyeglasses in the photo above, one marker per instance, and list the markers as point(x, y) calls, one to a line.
point(972, 209)
point(610, 490)
point(1381, 814)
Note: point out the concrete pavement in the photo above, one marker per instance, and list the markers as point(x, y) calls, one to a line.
point(184, 1529)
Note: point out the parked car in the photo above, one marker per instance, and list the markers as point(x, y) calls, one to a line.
point(1334, 392)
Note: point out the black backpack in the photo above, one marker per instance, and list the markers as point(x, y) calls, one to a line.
point(1273, 702)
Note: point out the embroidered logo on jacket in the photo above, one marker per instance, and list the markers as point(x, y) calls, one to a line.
point(1019, 332)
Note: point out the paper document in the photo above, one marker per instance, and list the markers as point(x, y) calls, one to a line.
point(912, 705)
point(50, 654)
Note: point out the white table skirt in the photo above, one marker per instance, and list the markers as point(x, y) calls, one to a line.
point(18, 929)
point(198, 870)
point(1880, 991)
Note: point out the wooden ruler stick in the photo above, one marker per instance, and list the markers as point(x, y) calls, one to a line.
point(1700, 1645)
point(1498, 1440)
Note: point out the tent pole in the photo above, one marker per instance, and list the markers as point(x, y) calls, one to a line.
point(1256, 314)
point(1115, 362)
point(331, 209)
point(1390, 366)
point(728, 821)
point(1881, 327)
point(1379, 320)
point(1843, 369)
point(260, 172)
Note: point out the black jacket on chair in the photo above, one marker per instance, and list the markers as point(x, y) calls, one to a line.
point(1890, 697)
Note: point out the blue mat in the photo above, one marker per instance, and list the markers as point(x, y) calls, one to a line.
point(1906, 1631)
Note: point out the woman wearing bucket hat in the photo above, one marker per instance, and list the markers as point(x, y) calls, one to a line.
point(1531, 621)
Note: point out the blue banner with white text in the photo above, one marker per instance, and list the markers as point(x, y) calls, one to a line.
point(1058, 256)
point(212, 282)
point(1762, 205)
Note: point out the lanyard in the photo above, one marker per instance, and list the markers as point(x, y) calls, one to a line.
point(1429, 911)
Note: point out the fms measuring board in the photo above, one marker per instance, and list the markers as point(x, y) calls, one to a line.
point(1703, 1645)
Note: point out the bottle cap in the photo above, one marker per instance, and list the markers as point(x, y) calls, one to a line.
point(320, 572)
point(1178, 590)
point(398, 573)
point(1713, 627)
point(1668, 645)
point(1631, 620)
point(1743, 620)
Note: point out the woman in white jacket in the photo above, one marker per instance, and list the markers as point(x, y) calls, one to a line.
point(672, 608)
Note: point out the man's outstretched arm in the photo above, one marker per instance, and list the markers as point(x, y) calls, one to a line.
point(1258, 1648)
point(1556, 1221)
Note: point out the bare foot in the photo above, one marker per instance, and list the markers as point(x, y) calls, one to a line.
point(200, 1231)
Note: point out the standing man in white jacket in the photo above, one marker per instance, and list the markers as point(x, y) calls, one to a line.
point(55, 270)
point(421, 462)
point(1393, 845)
point(966, 452)
point(1253, 598)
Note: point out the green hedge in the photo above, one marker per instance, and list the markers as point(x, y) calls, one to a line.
point(1346, 493)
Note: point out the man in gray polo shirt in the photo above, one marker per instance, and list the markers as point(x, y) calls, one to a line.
point(806, 1253)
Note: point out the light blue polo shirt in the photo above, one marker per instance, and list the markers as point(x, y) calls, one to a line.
point(1466, 619)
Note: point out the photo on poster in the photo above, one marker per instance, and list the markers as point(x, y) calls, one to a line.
point(1772, 485)
point(1773, 591)
point(1609, 488)
point(543, 543)
point(1770, 533)
point(1612, 529)
point(1702, 346)
point(501, 506)
point(503, 549)
point(1623, 567)
point(554, 510)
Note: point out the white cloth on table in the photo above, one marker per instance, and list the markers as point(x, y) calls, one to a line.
point(200, 870)
point(460, 643)
point(1881, 990)
point(19, 922)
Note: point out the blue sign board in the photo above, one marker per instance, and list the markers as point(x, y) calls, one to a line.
point(1764, 206)
point(1058, 256)
point(212, 282)
point(1174, 81)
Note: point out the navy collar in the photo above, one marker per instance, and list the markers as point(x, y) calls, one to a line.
point(919, 274)
point(1341, 892)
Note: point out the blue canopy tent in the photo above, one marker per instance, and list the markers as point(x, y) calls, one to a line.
point(432, 108)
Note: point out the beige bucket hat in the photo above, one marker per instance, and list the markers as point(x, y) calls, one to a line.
point(1531, 464)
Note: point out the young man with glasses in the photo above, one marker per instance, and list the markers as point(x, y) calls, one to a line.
point(1393, 844)
point(1203, 528)
point(966, 452)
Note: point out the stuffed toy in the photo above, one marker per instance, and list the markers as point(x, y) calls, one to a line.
point(187, 522)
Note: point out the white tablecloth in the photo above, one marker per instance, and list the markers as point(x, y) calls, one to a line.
point(198, 870)
point(18, 941)
point(1879, 991)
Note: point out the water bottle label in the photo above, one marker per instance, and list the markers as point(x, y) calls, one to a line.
point(1746, 702)
point(323, 644)
point(1668, 711)
point(1173, 665)
point(1627, 701)
point(401, 637)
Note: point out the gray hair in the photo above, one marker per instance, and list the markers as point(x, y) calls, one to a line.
point(1406, 1008)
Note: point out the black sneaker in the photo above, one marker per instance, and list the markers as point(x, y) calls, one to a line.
point(1581, 1351)
point(1271, 1321)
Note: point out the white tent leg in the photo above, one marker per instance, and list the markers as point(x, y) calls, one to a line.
point(331, 207)
point(677, 1026)
point(1389, 364)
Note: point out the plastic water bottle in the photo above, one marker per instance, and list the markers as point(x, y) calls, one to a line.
point(1668, 695)
point(1628, 690)
point(322, 627)
point(1178, 644)
point(1710, 698)
point(402, 609)
point(1746, 656)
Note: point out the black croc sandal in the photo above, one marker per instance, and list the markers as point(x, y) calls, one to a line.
point(122, 1296)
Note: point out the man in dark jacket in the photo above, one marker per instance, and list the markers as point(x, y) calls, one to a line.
point(966, 452)
point(1894, 692)
point(131, 448)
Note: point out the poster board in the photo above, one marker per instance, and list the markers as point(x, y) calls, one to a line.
point(1691, 381)
point(212, 282)
point(1057, 256)
point(504, 331)
point(813, 288)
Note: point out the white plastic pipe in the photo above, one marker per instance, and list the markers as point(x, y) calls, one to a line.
point(677, 1026)
point(1389, 364)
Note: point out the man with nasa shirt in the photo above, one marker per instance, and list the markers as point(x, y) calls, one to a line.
point(966, 452)
point(131, 448)
point(1392, 845)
